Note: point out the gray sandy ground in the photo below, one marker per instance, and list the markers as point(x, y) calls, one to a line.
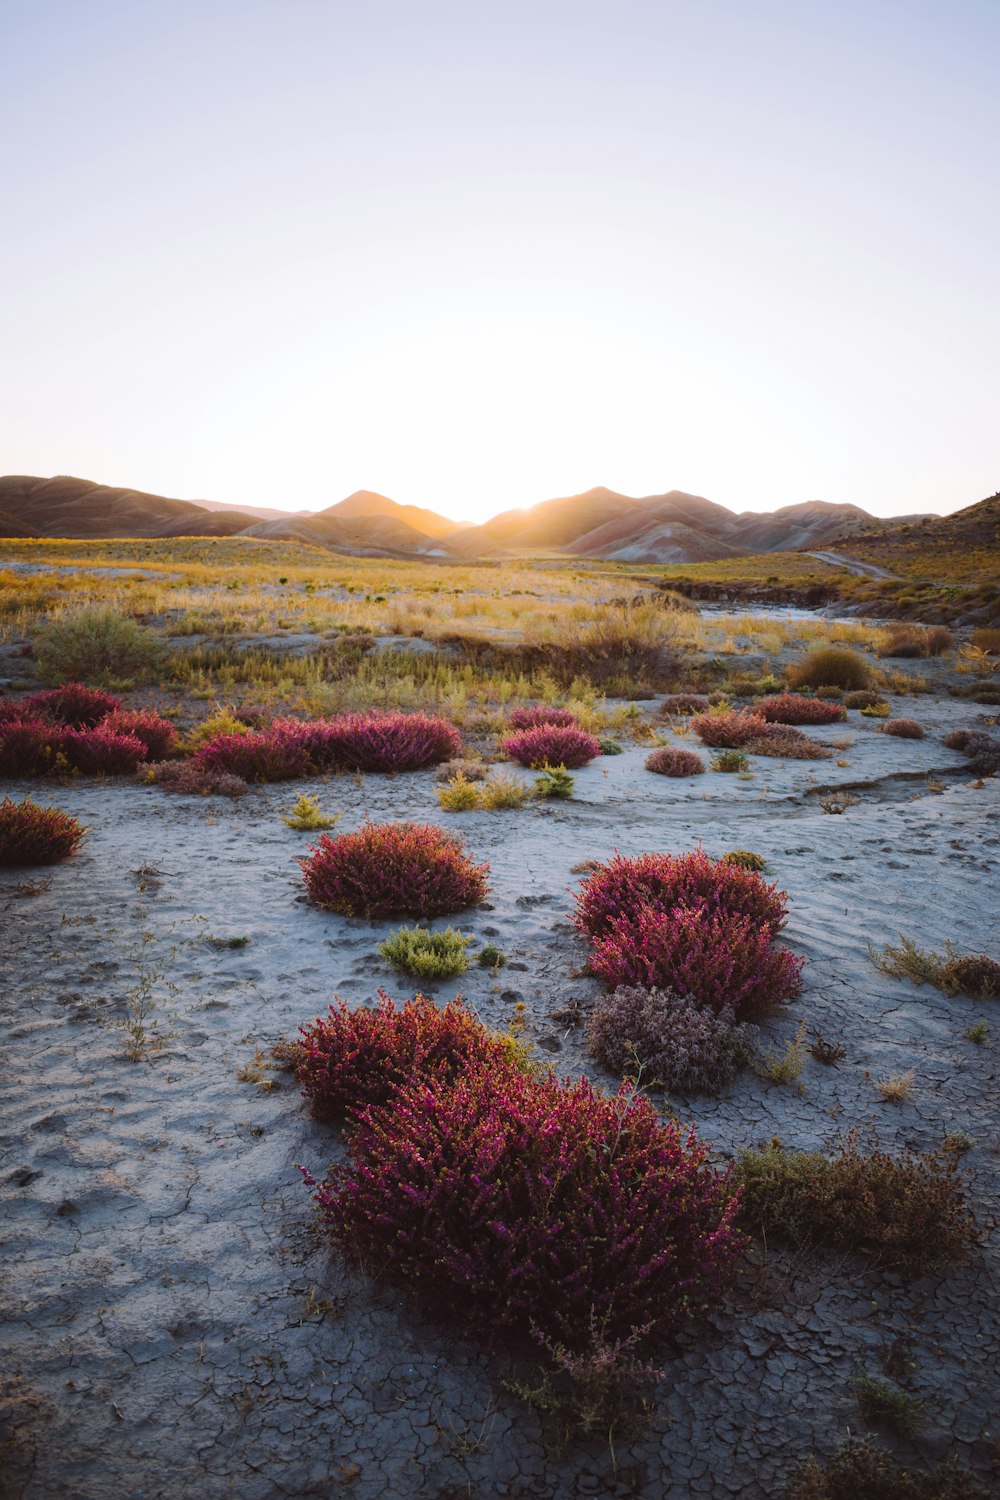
point(173, 1321)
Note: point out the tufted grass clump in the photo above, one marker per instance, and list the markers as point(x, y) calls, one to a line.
point(34, 835)
point(880, 709)
point(730, 761)
point(906, 1212)
point(307, 816)
point(555, 782)
point(888, 1405)
point(668, 1039)
point(427, 955)
point(745, 859)
point(393, 869)
point(864, 1471)
point(829, 666)
point(670, 761)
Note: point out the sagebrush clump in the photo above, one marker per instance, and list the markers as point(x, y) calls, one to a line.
point(683, 704)
point(864, 1471)
point(35, 835)
point(669, 1039)
point(393, 869)
point(829, 666)
point(902, 729)
point(95, 643)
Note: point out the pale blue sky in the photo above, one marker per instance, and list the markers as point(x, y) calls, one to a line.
point(473, 255)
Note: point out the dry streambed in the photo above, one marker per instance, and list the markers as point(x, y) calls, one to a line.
point(174, 1322)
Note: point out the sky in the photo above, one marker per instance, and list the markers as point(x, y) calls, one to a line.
point(473, 255)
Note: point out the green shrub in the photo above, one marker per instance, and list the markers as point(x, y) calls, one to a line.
point(459, 794)
point(93, 643)
point(864, 699)
point(829, 666)
point(746, 859)
point(554, 781)
point(306, 816)
point(863, 1471)
point(880, 1402)
point(491, 957)
point(905, 1211)
point(427, 955)
point(729, 760)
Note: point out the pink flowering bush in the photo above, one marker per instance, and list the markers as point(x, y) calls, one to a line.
point(729, 730)
point(353, 1058)
point(722, 959)
point(669, 761)
point(100, 752)
point(545, 1207)
point(797, 708)
point(74, 703)
point(258, 755)
point(158, 735)
point(622, 887)
point(28, 746)
point(374, 740)
point(393, 869)
point(34, 835)
point(533, 715)
point(551, 745)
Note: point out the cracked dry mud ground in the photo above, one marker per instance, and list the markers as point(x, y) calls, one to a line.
point(174, 1324)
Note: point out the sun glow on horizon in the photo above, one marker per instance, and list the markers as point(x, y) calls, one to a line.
point(473, 259)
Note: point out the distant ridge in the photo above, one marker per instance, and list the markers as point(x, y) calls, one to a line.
point(600, 523)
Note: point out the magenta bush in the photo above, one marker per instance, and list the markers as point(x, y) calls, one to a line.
point(374, 740)
point(393, 869)
point(669, 761)
point(34, 835)
point(721, 959)
point(259, 755)
point(534, 715)
point(797, 708)
point(28, 746)
point(100, 752)
point(730, 730)
point(158, 735)
point(543, 1206)
point(353, 1058)
point(623, 887)
point(902, 729)
point(74, 703)
point(551, 745)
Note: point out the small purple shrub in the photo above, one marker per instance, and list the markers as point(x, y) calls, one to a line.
point(354, 1058)
point(28, 746)
point(34, 835)
point(622, 887)
point(374, 741)
point(730, 730)
point(393, 869)
point(720, 959)
point(532, 716)
point(796, 708)
point(100, 752)
point(258, 755)
point(686, 1047)
point(158, 735)
point(74, 703)
point(669, 761)
point(902, 729)
point(551, 745)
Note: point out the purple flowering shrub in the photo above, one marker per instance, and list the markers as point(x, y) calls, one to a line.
point(34, 835)
point(100, 752)
point(258, 755)
point(350, 1059)
point(796, 708)
point(374, 740)
point(676, 1042)
point(551, 745)
point(393, 869)
point(669, 761)
point(546, 1207)
point(620, 888)
point(722, 959)
point(157, 734)
point(729, 730)
point(531, 716)
point(27, 746)
point(74, 704)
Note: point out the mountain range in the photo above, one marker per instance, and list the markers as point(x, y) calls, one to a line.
point(600, 523)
